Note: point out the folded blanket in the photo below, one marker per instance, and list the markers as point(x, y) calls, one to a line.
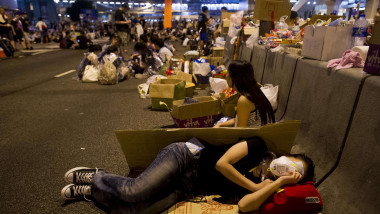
point(350, 59)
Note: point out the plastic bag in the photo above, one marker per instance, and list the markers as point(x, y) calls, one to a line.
point(90, 74)
point(143, 90)
point(202, 68)
point(108, 73)
point(252, 39)
point(218, 85)
point(271, 93)
point(185, 42)
point(82, 66)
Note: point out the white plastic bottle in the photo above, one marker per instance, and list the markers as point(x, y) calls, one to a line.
point(282, 25)
point(360, 29)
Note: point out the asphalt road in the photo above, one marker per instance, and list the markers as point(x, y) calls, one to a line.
point(49, 125)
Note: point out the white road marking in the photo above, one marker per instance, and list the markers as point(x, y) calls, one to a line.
point(64, 73)
point(42, 51)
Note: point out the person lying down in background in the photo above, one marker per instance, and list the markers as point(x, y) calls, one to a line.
point(246, 170)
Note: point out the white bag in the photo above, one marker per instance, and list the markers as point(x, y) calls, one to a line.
point(271, 93)
point(185, 42)
point(252, 39)
point(201, 68)
point(90, 74)
point(218, 85)
point(143, 90)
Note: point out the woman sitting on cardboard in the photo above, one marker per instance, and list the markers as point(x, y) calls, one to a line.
point(252, 101)
point(188, 168)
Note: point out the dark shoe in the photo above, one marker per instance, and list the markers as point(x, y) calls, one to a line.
point(81, 175)
point(73, 191)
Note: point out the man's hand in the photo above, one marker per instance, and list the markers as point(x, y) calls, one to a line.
point(293, 178)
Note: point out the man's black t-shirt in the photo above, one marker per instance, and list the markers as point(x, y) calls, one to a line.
point(213, 181)
point(120, 16)
point(25, 24)
point(202, 20)
point(3, 29)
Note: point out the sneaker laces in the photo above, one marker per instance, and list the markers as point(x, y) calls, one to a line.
point(85, 177)
point(81, 190)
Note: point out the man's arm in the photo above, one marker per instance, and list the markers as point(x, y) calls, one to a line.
point(123, 22)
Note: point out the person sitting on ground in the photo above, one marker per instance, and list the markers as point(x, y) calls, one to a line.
point(113, 55)
point(82, 40)
point(163, 51)
point(90, 58)
point(189, 168)
point(67, 41)
point(146, 39)
point(252, 106)
point(145, 63)
point(115, 40)
point(293, 19)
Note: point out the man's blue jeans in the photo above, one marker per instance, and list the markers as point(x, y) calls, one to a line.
point(170, 177)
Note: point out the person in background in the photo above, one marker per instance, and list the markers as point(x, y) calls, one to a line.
point(122, 26)
point(112, 53)
point(82, 41)
point(18, 32)
point(293, 19)
point(42, 27)
point(203, 22)
point(115, 40)
point(146, 39)
point(160, 24)
point(25, 26)
point(219, 29)
point(163, 52)
point(5, 26)
point(68, 41)
point(252, 106)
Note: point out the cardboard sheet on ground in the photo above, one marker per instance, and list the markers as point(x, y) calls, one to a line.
point(206, 206)
point(141, 147)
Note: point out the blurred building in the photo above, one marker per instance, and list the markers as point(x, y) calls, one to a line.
point(154, 9)
point(46, 9)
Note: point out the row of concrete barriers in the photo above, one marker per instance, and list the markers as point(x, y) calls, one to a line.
point(340, 128)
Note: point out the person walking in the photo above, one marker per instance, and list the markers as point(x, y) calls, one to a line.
point(203, 21)
point(18, 33)
point(122, 26)
point(42, 27)
point(25, 26)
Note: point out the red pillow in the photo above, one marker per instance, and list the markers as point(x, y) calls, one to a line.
point(296, 198)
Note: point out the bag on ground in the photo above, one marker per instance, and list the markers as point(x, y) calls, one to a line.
point(108, 73)
point(90, 74)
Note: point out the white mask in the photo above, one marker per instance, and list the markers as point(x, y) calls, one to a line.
point(283, 166)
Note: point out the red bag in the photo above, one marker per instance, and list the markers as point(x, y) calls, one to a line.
point(296, 198)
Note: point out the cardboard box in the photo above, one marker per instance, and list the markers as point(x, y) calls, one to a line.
point(141, 147)
point(225, 26)
point(216, 61)
point(218, 51)
point(325, 42)
point(196, 115)
point(264, 8)
point(166, 90)
point(372, 63)
point(228, 105)
point(188, 78)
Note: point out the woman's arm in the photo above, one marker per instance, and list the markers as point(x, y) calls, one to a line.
point(243, 111)
point(253, 201)
point(233, 155)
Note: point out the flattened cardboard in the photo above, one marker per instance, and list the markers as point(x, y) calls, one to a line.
point(141, 147)
point(263, 9)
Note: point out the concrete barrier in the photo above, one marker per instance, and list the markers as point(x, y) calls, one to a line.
point(259, 55)
point(354, 186)
point(279, 70)
point(323, 100)
point(246, 53)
